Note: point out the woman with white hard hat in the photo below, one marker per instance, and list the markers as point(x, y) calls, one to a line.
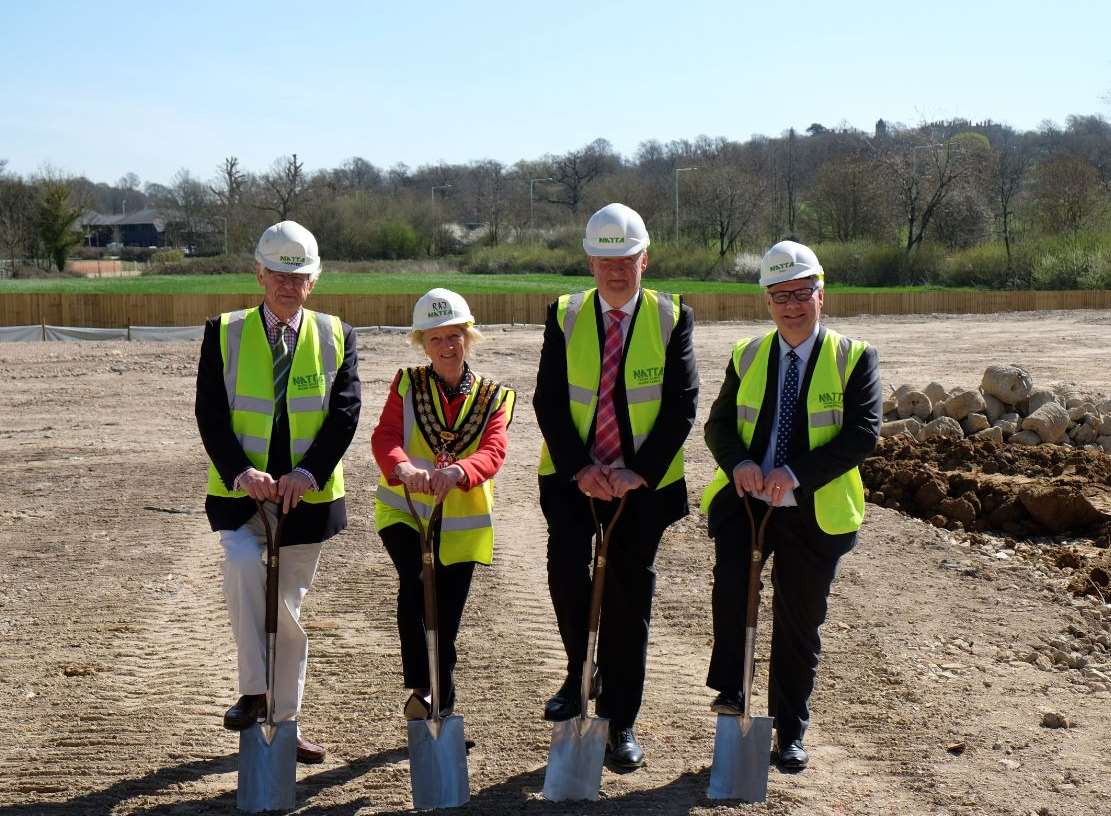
point(442, 434)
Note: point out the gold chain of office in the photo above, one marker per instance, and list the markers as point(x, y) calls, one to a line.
point(446, 443)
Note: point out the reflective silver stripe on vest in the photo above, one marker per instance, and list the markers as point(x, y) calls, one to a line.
point(844, 346)
point(644, 393)
point(580, 394)
point(638, 440)
point(254, 404)
point(236, 321)
point(667, 316)
point(746, 413)
point(570, 315)
point(253, 444)
point(417, 461)
point(327, 354)
point(303, 405)
point(455, 524)
point(450, 524)
point(301, 445)
point(825, 419)
point(748, 355)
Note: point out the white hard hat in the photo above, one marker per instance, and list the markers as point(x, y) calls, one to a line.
point(440, 307)
point(615, 231)
point(787, 261)
point(288, 247)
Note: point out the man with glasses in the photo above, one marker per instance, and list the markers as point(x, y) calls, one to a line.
point(799, 410)
point(278, 399)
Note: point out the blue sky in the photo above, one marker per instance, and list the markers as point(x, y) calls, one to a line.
point(105, 88)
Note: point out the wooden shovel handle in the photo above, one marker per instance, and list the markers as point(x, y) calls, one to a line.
point(273, 546)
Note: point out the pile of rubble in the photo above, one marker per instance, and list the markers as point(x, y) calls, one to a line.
point(1006, 408)
point(1014, 496)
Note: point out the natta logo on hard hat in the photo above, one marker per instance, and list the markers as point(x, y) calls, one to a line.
point(297, 259)
point(618, 240)
point(780, 267)
point(440, 308)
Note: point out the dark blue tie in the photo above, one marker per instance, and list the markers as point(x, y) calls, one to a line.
point(787, 402)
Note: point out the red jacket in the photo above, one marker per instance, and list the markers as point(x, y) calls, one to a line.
point(387, 440)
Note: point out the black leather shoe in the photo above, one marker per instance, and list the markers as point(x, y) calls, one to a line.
point(793, 757)
point(623, 752)
point(728, 702)
point(248, 709)
point(566, 703)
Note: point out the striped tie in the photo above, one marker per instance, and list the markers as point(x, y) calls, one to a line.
point(607, 435)
point(282, 362)
point(787, 403)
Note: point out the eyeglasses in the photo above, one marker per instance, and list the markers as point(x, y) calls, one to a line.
point(294, 279)
point(801, 295)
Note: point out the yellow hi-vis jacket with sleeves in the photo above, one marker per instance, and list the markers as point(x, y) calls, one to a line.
point(644, 367)
point(838, 504)
point(467, 529)
point(249, 381)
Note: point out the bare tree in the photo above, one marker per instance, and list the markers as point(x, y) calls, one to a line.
point(922, 173)
point(727, 197)
point(575, 170)
point(229, 189)
point(284, 186)
point(17, 220)
point(1009, 170)
point(1066, 194)
point(846, 199)
point(186, 206)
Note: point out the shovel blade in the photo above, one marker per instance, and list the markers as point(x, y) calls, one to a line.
point(741, 759)
point(575, 760)
point(438, 764)
point(267, 769)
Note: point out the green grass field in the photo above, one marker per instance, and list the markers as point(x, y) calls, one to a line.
point(379, 283)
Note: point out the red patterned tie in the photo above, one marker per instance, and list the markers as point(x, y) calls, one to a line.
point(607, 436)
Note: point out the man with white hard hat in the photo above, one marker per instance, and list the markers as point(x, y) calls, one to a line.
point(616, 394)
point(442, 436)
point(798, 412)
point(278, 399)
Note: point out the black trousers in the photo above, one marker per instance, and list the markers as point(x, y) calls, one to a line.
point(803, 568)
point(453, 583)
point(627, 603)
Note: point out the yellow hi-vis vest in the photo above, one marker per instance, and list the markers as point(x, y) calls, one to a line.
point(467, 530)
point(249, 381)
point(838, 504)
point(644, 367)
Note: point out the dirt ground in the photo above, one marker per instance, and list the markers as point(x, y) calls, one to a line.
point(947, 657)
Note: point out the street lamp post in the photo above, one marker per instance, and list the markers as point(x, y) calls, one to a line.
point(434, 189)
point(531, 184)
point(678, 170)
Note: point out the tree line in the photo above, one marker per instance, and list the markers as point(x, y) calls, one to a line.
point(952, 184)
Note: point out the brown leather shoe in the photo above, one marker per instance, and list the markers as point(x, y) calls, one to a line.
point(309, 753)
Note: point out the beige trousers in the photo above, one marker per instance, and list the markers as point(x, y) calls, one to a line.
point(245, 595)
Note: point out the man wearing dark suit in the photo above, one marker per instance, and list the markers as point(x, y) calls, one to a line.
point(798, 411)
point(278, 398)
point(616, 394)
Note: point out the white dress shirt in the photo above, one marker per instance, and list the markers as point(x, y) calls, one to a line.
point(628, 309)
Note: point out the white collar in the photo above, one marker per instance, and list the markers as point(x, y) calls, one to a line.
point(803, 349)
point(628, 308)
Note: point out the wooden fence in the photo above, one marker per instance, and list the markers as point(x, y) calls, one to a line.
point(112, 311)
